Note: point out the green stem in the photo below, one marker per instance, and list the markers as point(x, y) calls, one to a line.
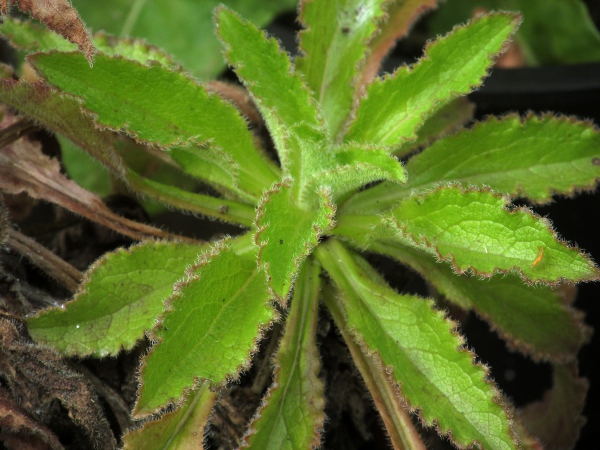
point(132, 17)
point(227, 210)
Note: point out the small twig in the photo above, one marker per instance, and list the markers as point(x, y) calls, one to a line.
point(13, 132)
point(115, 401)
point(60, 270)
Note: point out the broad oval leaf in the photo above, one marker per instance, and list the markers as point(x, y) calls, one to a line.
point(170, 110)
point(535, 320)
point(120, 299)
point(422, 352)
point(474, 230)
point(395, 107)
point(210, 327)
point(291, 416)
point(287, 234)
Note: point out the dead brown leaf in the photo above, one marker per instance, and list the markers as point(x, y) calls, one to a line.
point(38, 376)
point(19, 432)
point(59, 16)
point(24, 168)
point(557, 419)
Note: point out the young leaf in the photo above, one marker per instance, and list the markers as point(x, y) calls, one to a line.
point(181, 429)
point(535, 320)
point(120, 298)
point(334, 45)
point(151, 115)
point(535, 157)
point(354, 167)
point(287, 234)
point(474, 230)
point(267, 71)
point(394, 108)
point(296, 395)
point(210, 327)
point(341, 169)
point(422, 353)
point(58, 15)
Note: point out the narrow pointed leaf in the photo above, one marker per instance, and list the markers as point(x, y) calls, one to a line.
point(291, 416)
point(474, 230)
point(398, 424)
point(534, 158)
point(120, 299)
point(151, 114)
point(182, 429)
point(267, 72)
point(535, 320)
point(210, 327)
point(287, 234)
point(422, 353)
point(402, 15)
point(63, 114)
point(60, 16)
point(334, 46)
point(395, 107)
point(29, 36)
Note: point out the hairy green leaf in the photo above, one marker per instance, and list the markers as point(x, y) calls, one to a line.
point(536, 320)
point(152, 115)
point(399, 426)
point(354, 167)
point(334, 46)
point(210, 326)
point(291, 416)
point(534, 157)
point(395, 107)
point(474, 230)
point(421, 351)
point(29, 36)
point(287, 234)
point(120, 298)
point(553, 31)
point(61, 113)
point(186, 26)
point(267, 72)
point(182, 429)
